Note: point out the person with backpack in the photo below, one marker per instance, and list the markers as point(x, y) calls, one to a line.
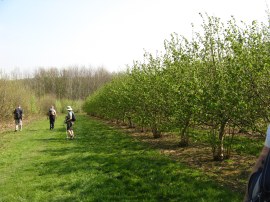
point(70, 118)
point(18, 114)
point(258, 189)
point(52, 116)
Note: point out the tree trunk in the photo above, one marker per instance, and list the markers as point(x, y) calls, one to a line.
point(184, 141)
point(219, 156)
point(130, 125)
point(156, 133)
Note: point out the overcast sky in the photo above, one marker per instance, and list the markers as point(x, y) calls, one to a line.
point(108, 33)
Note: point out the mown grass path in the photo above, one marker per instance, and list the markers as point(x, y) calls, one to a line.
point(101, 164)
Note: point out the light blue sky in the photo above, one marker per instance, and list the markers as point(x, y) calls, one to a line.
point(108, 33)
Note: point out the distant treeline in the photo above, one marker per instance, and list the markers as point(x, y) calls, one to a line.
point(46, 87)
point(73, 83)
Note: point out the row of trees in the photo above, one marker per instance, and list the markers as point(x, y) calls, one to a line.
point(218, 81)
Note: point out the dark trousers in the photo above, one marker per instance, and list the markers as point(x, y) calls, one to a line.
point(52, 120)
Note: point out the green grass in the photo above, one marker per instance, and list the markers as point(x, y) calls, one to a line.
point(101, 164)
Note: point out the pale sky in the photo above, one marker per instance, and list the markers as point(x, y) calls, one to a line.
point(108, 33)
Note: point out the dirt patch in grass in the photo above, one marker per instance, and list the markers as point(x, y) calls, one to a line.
point(232, 173)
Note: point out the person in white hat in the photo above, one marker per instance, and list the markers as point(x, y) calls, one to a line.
point(70, 118)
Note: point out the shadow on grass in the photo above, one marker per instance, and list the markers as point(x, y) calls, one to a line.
point(105, 165)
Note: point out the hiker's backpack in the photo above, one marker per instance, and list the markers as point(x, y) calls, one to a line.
point(51, 112)
point(259, 183)
point(17, 114)
point(73, 118)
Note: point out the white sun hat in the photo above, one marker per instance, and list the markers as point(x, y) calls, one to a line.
point(69, 108)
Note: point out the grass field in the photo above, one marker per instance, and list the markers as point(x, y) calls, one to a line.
point(100, 164)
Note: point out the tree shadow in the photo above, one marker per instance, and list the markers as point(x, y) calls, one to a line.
point(105, 165)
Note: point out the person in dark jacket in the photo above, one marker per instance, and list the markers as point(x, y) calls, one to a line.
point(18, 114)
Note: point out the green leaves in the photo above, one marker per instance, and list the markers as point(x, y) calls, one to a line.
point(220, 78)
